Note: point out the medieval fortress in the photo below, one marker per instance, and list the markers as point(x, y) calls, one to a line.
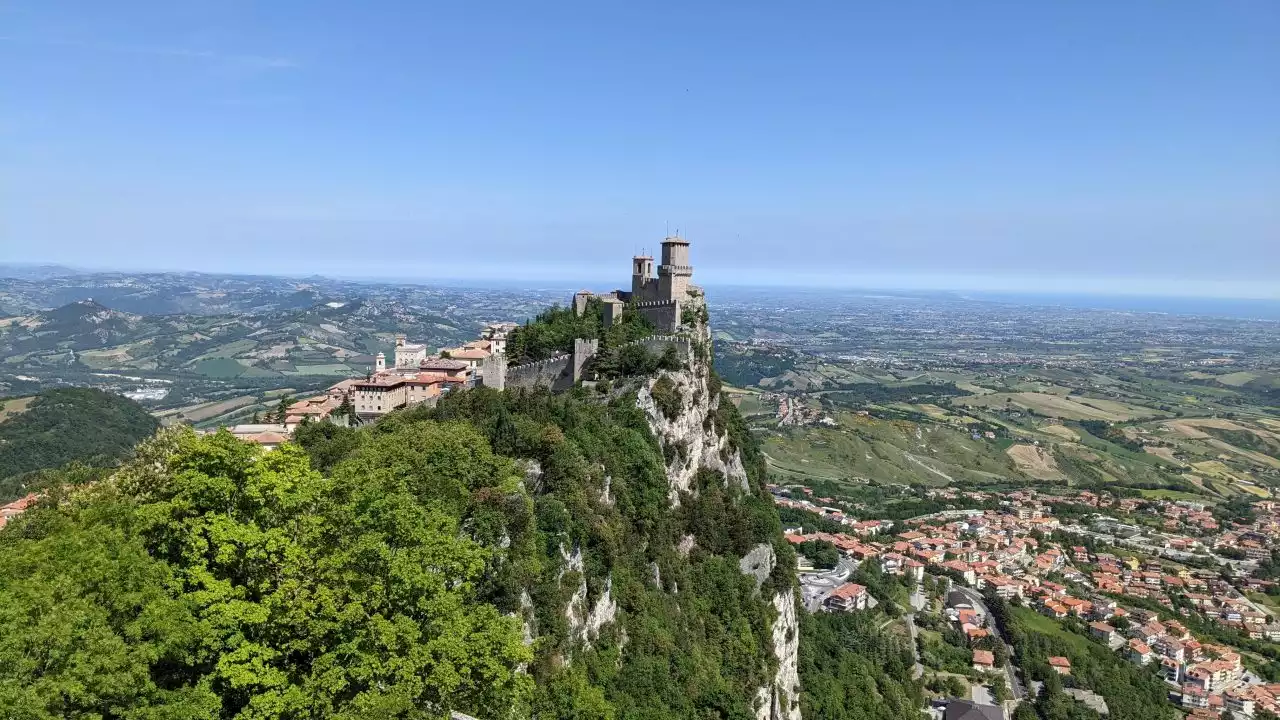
point(661, 300)
point(414, 376)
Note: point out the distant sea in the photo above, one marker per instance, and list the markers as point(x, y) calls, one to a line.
point(1216, 307)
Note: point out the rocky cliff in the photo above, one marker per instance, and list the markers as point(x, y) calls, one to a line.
point(683, 408)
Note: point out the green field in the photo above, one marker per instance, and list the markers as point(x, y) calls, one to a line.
point(887, 451)
point(219, 368)
point(324, 369)
point(14, 406)
point(1236, 379)
point(1033, 620)
point(1061, 406)
point(230, 350)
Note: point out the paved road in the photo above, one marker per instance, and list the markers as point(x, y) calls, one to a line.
point(917, 670)
point(816, 586)
point(1015, 685)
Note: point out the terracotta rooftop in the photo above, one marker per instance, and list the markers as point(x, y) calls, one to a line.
point(849, 590)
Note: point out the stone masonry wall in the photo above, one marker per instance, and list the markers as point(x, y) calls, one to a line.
point(664, 314)
point(556, 373)
point(657, 344)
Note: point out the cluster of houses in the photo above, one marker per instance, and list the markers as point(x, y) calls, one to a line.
point(971, 621)
point(852, 596)
point(16, 508)
point(1010, 552)
point(413, 378)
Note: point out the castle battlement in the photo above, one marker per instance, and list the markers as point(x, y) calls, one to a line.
point(542, 363)
point(656, 303)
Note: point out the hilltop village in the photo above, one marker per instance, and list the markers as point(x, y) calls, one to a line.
point(1175, 595)
point(416, 376)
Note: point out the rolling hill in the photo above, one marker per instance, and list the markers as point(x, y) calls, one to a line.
point(56, 427)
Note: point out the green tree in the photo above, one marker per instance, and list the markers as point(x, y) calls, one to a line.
point(1025, 711)
point(225, 581)
point(282, 409)
point(821, 553)
point(1000, 689)
point(65, 425)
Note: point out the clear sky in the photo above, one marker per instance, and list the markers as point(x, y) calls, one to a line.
point(1128, 146)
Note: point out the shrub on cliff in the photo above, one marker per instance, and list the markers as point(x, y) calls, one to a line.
point(666, 395)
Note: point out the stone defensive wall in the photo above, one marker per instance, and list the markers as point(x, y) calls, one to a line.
point(657, 344)
point(664, 314)
point(554, 372)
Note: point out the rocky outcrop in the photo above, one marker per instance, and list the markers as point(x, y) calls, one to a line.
point(781, 701)
point(602, 614)
point(685, 427)
point(584, 625)
point(758, 563)
point(683, 414)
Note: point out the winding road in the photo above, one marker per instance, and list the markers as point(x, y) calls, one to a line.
point(1015, 685)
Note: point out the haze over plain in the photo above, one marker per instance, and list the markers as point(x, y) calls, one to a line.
point(1004, 146)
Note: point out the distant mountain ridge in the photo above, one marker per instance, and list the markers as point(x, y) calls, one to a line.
point(276, 342)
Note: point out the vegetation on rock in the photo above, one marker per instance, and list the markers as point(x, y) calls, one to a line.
point(387, 571)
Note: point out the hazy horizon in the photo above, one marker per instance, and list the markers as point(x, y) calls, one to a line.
point(1084, 147)
point(606, 279)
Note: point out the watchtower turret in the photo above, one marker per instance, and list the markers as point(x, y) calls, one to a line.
point(641, 275)
point(675, 272)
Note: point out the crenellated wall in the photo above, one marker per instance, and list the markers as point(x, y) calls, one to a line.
point(664, 314)
point(657, 344)
point(554, 372)
point(558, 373)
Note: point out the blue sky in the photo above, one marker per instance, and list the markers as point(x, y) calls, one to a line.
point(1087, 145)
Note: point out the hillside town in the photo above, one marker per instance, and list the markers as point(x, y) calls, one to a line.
point(1172, 593)
point(414, 377)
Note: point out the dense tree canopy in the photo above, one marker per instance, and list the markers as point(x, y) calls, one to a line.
point(1131, 692)
point(209, 579)
point(554, 331)
point(392, 571)
point(852, 670)
point(65, 425)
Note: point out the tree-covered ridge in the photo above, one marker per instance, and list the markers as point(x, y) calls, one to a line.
point(691, 633)
point(65, 425)
point(392, 571)
point(1131, 692)
point(854, 670)
point(553, 331)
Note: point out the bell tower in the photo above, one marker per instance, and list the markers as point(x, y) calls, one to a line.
point(641, 276)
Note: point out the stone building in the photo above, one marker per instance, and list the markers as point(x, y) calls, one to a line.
point(408, 354)
point(660, 297)
point(672, 282)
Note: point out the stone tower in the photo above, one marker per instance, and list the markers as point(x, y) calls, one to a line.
point(642, 276)
point(675, 271)
point(379, 362)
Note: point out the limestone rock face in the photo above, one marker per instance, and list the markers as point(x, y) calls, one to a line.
point(782, 700)
point(689, 439)
point(584, 625)
point(692, 440)
point(758, 563)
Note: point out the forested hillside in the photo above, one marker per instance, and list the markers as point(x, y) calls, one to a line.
point(508, 555)
point(60, 426)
